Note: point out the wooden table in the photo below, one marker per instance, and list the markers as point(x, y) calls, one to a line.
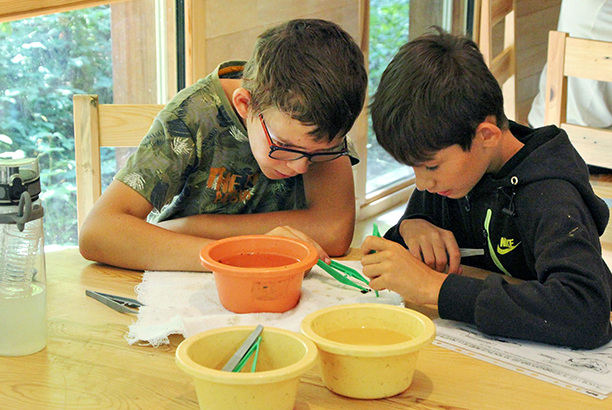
point(88, 364)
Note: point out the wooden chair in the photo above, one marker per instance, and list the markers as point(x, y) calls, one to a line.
point(576, 57)
point(103, 125)
point(487, 15)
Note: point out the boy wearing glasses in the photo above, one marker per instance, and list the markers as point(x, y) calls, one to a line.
point(255, 147)
point(519, 195)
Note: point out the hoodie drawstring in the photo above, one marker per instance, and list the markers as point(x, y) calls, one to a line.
point(509, 210)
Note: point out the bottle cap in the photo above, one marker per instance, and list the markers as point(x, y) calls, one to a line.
point(18, 176)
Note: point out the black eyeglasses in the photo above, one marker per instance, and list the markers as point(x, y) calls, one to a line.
point(288, 154)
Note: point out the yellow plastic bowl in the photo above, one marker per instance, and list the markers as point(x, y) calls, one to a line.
point(283, 357)
point(374, 369)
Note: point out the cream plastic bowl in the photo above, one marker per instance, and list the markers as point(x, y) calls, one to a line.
point(374, 369)
point(283, 357)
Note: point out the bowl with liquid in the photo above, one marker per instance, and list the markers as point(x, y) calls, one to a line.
point(368, 350)
point(283, 357)
point(259, 273)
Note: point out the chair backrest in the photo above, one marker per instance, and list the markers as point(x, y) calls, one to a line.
point(487, 15)
point(103, 125)
point(577, 57)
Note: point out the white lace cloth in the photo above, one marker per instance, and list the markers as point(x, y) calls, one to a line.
point(186, 303)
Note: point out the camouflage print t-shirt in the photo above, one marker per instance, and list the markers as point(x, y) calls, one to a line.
point(196, 159)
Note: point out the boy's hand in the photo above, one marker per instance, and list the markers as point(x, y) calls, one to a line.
point(290, 232)
point(392, 267)
point(436, 247)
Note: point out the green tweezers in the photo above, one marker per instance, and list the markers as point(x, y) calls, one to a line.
point(253, 349)
point(375, 231)
point(343, 274)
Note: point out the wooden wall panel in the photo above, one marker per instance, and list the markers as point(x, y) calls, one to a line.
point(214, 40)
point(134, 55)
point(231, 46)
point(273, 11)
point(260, 14)
point(134, 52)
point(423, 15)
point(534, 19)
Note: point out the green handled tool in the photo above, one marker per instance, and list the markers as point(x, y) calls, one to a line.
point(375, 231)
point(244, 352)
point(340, 273)
point(345, 274)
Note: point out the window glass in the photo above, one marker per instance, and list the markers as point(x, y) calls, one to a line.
point(389, 25)
point(392, 24)
point(111, 51)
point(44, 61)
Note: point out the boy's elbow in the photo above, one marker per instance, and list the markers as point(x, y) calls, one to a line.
point(588, 328)
point(592, 332)
point(85, 248)
point(88, 245)
point(338, 248)
point(339, 243)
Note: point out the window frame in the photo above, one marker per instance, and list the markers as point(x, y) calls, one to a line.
point(15, 10)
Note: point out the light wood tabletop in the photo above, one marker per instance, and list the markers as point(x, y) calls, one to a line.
point(88, 363)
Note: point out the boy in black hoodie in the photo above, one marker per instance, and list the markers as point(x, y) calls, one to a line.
point(521, 195)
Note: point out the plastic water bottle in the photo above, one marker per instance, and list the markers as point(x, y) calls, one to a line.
point(23, 310)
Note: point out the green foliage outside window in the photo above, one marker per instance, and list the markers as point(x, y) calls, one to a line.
point(388, 32)
point(44, 61)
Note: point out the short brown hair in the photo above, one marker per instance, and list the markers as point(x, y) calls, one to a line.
point(311, 70)
point(433, 94)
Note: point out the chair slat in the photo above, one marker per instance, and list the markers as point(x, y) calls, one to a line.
point(502, 65)
point(593, 144)
point(124, 125)
point(103, 125)
point(583, 58)
point(588, 59)
point(500, 9)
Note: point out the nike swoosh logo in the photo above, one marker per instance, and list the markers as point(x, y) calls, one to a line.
point(506, 250)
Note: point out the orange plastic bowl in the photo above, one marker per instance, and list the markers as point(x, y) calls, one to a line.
point(258, 273)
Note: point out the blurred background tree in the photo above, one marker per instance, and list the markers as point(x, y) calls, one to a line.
point(44, 61)
point(388, 32)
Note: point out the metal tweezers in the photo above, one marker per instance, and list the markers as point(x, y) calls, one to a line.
point(244, 352)
point(118, 303)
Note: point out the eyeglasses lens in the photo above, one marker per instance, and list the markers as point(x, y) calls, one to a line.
point(283, 155)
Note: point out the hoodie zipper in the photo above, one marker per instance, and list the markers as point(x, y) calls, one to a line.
point(496, 261)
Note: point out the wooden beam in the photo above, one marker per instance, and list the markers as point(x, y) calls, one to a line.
point(15, 10)
point(87, 153)
point(594, 145)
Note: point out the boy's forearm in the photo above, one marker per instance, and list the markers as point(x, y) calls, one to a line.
point(132, 243)
point(333, 234)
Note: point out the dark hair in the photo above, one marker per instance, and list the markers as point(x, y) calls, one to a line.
point(434, 94)
point(311, 70)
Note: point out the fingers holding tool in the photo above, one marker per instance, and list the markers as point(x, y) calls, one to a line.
point(290, 232)
point(436, 247)
point(393, 267)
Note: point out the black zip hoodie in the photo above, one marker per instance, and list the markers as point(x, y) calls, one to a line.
point(537, 219)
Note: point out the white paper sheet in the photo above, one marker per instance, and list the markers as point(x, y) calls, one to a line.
point(187, 303)
point(584, 371)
